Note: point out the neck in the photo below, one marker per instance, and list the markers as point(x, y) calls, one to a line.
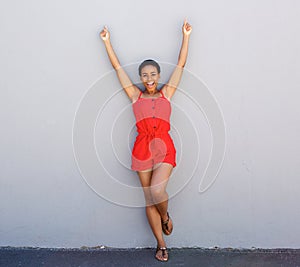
point(151, 92)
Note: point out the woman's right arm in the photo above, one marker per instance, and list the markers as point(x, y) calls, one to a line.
point(131, 90)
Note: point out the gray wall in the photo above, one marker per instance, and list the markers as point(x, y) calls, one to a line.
point(245, 52)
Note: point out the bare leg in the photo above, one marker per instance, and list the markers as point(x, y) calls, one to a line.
point(154, 186)
point(152, 213)
point(159, 181)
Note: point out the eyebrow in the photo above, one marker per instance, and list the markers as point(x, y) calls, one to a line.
point(150, 72)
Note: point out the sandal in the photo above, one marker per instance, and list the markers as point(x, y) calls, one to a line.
point(165, 255)
point(165, 226)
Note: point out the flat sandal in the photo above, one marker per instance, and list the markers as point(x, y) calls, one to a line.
point(164, 251)
point(165, 226)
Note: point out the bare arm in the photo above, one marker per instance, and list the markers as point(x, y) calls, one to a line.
point(131, 90)
point(170, 87)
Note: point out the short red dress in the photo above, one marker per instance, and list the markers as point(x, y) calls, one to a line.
point(153, 143)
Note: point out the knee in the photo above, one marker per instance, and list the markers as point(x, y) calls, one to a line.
point(148, 198)
point(158, 193)
point(149, 201)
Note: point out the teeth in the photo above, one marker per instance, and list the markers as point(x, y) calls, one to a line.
point(150, 83)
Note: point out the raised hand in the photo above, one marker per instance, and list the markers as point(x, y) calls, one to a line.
point(186, 28)
point(104, 34)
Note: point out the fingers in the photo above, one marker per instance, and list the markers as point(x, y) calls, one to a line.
point(105, 29)
point(187, 28)
point(104, 33)
point(186, 25)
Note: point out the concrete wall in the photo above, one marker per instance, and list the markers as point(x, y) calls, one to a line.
point(244, 58)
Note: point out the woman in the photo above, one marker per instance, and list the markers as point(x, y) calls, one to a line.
point(153, 154)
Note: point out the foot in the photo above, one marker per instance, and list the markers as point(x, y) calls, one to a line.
point(162, 254)
point(167, 225)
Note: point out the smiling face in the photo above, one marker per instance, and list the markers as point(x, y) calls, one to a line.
point(150, 78)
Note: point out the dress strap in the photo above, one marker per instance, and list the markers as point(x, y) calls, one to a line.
point(140, 94)
point(163, 96)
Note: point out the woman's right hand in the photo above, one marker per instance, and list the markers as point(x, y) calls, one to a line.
point(104, 34)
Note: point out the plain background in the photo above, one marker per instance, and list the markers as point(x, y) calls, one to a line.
point(247, 52)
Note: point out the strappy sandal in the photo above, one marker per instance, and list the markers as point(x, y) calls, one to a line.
point(165, 255)
point(165, 226)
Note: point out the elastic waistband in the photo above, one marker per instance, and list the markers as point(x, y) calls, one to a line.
point(154, 133)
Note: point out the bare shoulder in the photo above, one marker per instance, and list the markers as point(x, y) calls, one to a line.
point(135, 94)
point(166, 92)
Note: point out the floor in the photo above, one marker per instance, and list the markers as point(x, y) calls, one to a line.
point(106, 257)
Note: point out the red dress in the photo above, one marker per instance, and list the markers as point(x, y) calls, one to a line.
point(153, 143)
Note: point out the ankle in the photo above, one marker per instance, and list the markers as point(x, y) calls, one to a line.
point(161, 244)
point(165, 218)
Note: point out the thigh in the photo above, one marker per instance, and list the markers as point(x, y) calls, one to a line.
point(161, 174)
point(145, 177)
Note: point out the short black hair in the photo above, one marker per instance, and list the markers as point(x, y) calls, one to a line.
point(148, 62)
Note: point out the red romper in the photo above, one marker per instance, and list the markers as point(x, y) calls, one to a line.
point(153, 143)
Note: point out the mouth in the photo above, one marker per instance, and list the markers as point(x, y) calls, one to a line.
point(150, 84)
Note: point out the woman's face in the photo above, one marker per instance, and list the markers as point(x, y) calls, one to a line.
point(150, 77)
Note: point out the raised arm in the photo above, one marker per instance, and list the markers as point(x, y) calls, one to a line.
point(131, 90)
point(170, 88)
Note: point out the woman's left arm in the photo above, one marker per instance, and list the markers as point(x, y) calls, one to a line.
point(170, 87)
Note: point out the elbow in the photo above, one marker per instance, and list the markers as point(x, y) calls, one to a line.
point(116, 66)
point(181, 64)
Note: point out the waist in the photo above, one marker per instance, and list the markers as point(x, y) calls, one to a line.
point(153, 132)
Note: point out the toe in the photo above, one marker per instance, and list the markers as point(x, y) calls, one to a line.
point(159, 256)
point(162, 254)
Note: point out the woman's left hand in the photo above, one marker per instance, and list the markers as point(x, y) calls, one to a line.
point(186, 28)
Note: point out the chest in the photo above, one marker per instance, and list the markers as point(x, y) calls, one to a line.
point(155, 108)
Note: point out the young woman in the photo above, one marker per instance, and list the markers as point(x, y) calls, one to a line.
point(153, 154)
